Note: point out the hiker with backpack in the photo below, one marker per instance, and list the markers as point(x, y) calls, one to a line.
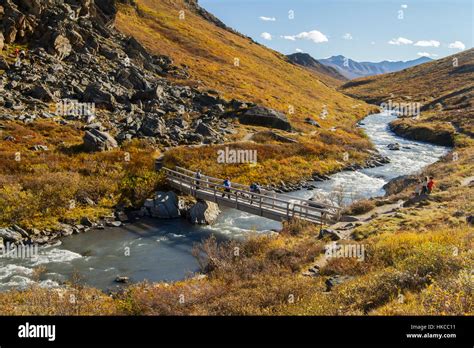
point(424, 188)
point(254, 188)
point(430, 185)
point(227, 185)
point(198, 177)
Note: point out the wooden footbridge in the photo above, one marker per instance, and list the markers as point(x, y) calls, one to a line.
point(268, 204)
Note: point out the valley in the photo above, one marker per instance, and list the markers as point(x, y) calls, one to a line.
point(168, 83)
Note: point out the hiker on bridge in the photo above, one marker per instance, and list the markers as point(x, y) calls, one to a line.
point(198, 177)
point(227, 186)
point(254, 188)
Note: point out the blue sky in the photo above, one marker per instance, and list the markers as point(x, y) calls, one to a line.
point(364, 30)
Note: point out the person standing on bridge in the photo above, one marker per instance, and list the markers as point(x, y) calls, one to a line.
point(227, 186)
point(254, 188)
point(198, 177)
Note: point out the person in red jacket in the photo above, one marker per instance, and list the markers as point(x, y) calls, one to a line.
point(430, 184)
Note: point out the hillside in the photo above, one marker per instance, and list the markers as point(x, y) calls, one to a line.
point(334, 78)
point(352, 69)
point(444, 88)
point(210, 51)
point(419, 258)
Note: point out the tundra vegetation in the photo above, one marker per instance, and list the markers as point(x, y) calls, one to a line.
point(418, 260)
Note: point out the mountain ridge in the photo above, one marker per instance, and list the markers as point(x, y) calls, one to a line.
point(352, 69)
point(307, 61)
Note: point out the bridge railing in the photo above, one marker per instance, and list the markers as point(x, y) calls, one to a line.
point(264, 191)
point(239, 195)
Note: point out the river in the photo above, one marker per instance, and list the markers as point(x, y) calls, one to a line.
point(160, 250)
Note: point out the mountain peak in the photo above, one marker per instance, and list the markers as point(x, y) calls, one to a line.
point(352, 69)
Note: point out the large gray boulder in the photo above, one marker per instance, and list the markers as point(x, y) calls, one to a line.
point(153, 125)
point(94, 93)
point(261, 116)
point(9, 235)
point(398, 184)
point(205, 130)
point(157, 92)
point(165, 205)
point(95, 140)
point(203, 213)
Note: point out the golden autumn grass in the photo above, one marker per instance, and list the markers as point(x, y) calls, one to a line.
point(40, 188)
point(264, 76)
point(323, 153)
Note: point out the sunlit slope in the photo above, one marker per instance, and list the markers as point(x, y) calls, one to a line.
point(211, 52)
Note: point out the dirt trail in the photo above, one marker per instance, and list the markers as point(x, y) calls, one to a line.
point(344, 230)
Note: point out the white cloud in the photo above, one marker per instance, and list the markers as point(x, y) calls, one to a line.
point(400, 41)
point(313, 35)
point(271, 19)
point(427, 43)
point(299, 50)
point(426, 54)
point(404, 6)
point(266, 36)
point(457, 45)
point(347, 36)
point(372, 43)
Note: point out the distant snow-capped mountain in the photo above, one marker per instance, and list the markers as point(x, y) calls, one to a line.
point(352, 69)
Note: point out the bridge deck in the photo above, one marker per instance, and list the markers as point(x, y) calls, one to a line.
point(266, 204)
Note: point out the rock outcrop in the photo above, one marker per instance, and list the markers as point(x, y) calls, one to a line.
point(95, 140)
point(261, 116)
point(10, 235)
point(203, 213)
point(165, 205)
point(79, 57)
point(398, 184)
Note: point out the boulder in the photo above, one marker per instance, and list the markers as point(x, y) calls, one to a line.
point(154, 93)
point(205, 130)
point(312, 122)
point(470, 219)
point(66, 230)
point(95, 94)
point(261, 116)
point(95, 140)
point(152, 126)
point(122, 279)
point(336, 280)
point(203, 213)
point(62, 47)
point(4, 64)
point(10, 32)
point(39, 148)
point(113, 223)
point(398, 184)
point(394, 146)
point(10, 235)
point(41, 92)
point(165, 205)
point(334, 235)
